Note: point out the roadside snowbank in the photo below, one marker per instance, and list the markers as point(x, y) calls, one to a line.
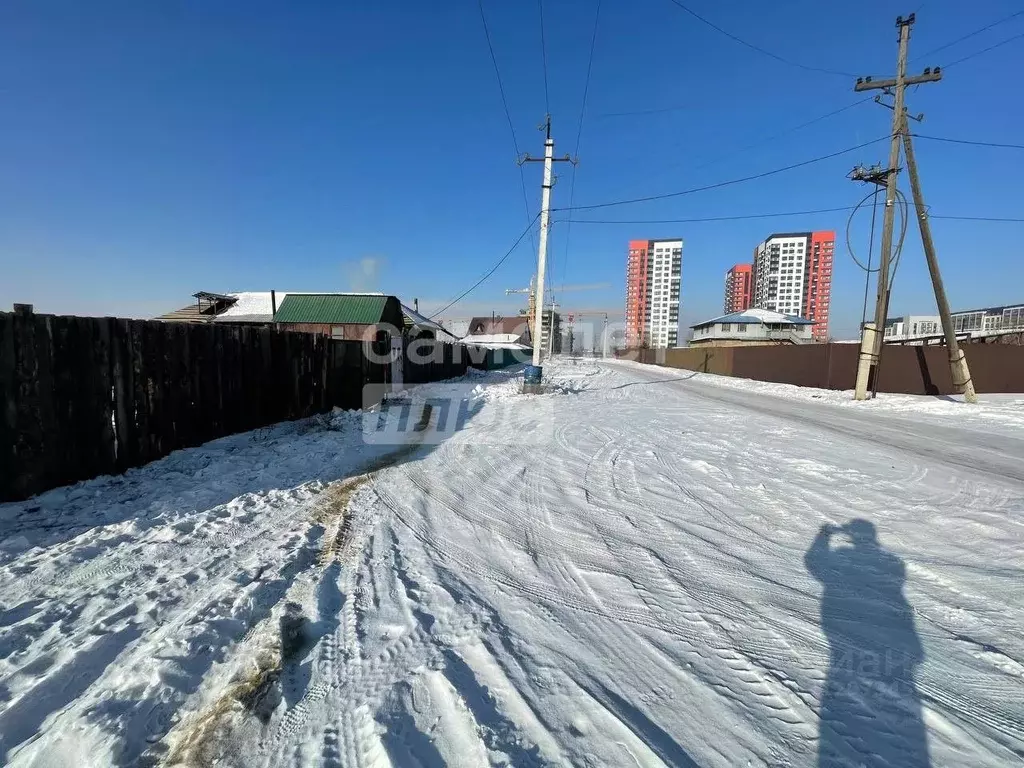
point(1004, 412)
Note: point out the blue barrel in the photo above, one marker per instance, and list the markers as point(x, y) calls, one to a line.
point(532, 374)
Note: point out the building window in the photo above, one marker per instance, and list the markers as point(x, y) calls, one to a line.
point(741, 327)
point(337, 331)
point(726, 327)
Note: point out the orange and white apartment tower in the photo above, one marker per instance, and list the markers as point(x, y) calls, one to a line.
point(653, 270)
point(739, 288)
point(792, 274)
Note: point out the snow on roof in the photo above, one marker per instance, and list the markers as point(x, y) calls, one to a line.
point(424, 322)
point(492, 338)
point(756, 316)
point(250, 305)
point(496, 341)
point(256, 307)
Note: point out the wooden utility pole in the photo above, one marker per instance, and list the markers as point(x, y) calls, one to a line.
point(873, 337)
point(957, 360)
point(871, 352)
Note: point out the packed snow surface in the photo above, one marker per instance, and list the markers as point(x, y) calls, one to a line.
point(642, 567)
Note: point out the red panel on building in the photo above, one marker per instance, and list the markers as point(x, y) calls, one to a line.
point(818, 282)
point(636, 291)
point(739, 288)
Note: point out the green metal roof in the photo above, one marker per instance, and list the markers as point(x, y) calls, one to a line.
point(331, 308)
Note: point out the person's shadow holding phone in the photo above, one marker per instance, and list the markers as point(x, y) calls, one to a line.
point(870, 711)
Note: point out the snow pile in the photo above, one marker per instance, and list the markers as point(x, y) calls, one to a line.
point(1003, 412)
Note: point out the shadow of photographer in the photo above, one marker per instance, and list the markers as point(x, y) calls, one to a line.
point(870, 711)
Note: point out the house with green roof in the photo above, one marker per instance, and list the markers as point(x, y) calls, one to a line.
point(349, 316)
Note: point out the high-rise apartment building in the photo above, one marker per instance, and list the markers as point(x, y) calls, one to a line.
point(653, 271)
point(739, 288)
point(793, 275)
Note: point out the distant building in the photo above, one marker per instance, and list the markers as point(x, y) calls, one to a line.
point(209, 307)
point(912, 326)
point(417, 326)
point(793, 275)
point(739, 288)
point(968, 322)
point(653, 273)
point(340, 316)
point(547, 319)
point(752, 327)
point(514, 329)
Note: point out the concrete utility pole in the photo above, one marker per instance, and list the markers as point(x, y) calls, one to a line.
point(868, 364)
point(957, 360)
point(542, 248)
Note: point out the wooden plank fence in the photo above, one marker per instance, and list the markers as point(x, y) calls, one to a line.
point(87, 396)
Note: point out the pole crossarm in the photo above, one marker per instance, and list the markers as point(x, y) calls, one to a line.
point(867, 84)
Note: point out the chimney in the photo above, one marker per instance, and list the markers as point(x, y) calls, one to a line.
point(273, 304)
point(23, 309)
point(415, 305)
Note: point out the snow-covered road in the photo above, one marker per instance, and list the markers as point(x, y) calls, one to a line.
point(637, 569)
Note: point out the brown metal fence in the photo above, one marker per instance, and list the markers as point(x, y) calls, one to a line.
point(87, 396)
point(904, 369)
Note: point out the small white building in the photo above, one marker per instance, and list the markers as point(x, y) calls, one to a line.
point(912, 327)
point(752, 327)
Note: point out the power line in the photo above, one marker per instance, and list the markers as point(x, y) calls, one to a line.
point(786, 132)
point(508, 114)
point(655, 111)
point(753, 47)
point(975, 218)
point(984, 50)
point(579, 135)
point(710, 218)
point(725, 183)
point(489, 272)
point(544, 59)
point(965, 141)
point(969, 35)
point(765, 140)
point(746, 216)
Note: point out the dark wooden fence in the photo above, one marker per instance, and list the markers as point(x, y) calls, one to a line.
point(904, 369)
point(430, 360)
point(87, 396)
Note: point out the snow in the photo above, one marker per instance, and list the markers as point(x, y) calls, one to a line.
point(258, 306)
point(999, 412)
point(756, 315)
point(251, 306)
point(425, 323)
point(632, 569)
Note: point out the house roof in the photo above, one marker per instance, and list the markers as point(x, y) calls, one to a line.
point(487, 325)
point(497, 341)
point(357, 309)
point(754, 317)
point(206, 307)
point(414, 319)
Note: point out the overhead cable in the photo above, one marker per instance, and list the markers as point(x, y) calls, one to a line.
point(728, 183)
point(969, 35)
point(489, 272)
point(504, 104)
point(984, 50)
point(965, 141)
point(579, 136)
point(757, 48)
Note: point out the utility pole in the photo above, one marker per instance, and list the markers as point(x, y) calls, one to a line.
point(874, 336)
point(957, 360)
point(870, 354)
point(533, 378)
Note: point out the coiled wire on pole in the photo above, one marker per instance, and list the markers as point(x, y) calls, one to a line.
point(902, 207)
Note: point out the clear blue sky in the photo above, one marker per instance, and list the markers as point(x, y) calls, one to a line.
point(150, 150)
